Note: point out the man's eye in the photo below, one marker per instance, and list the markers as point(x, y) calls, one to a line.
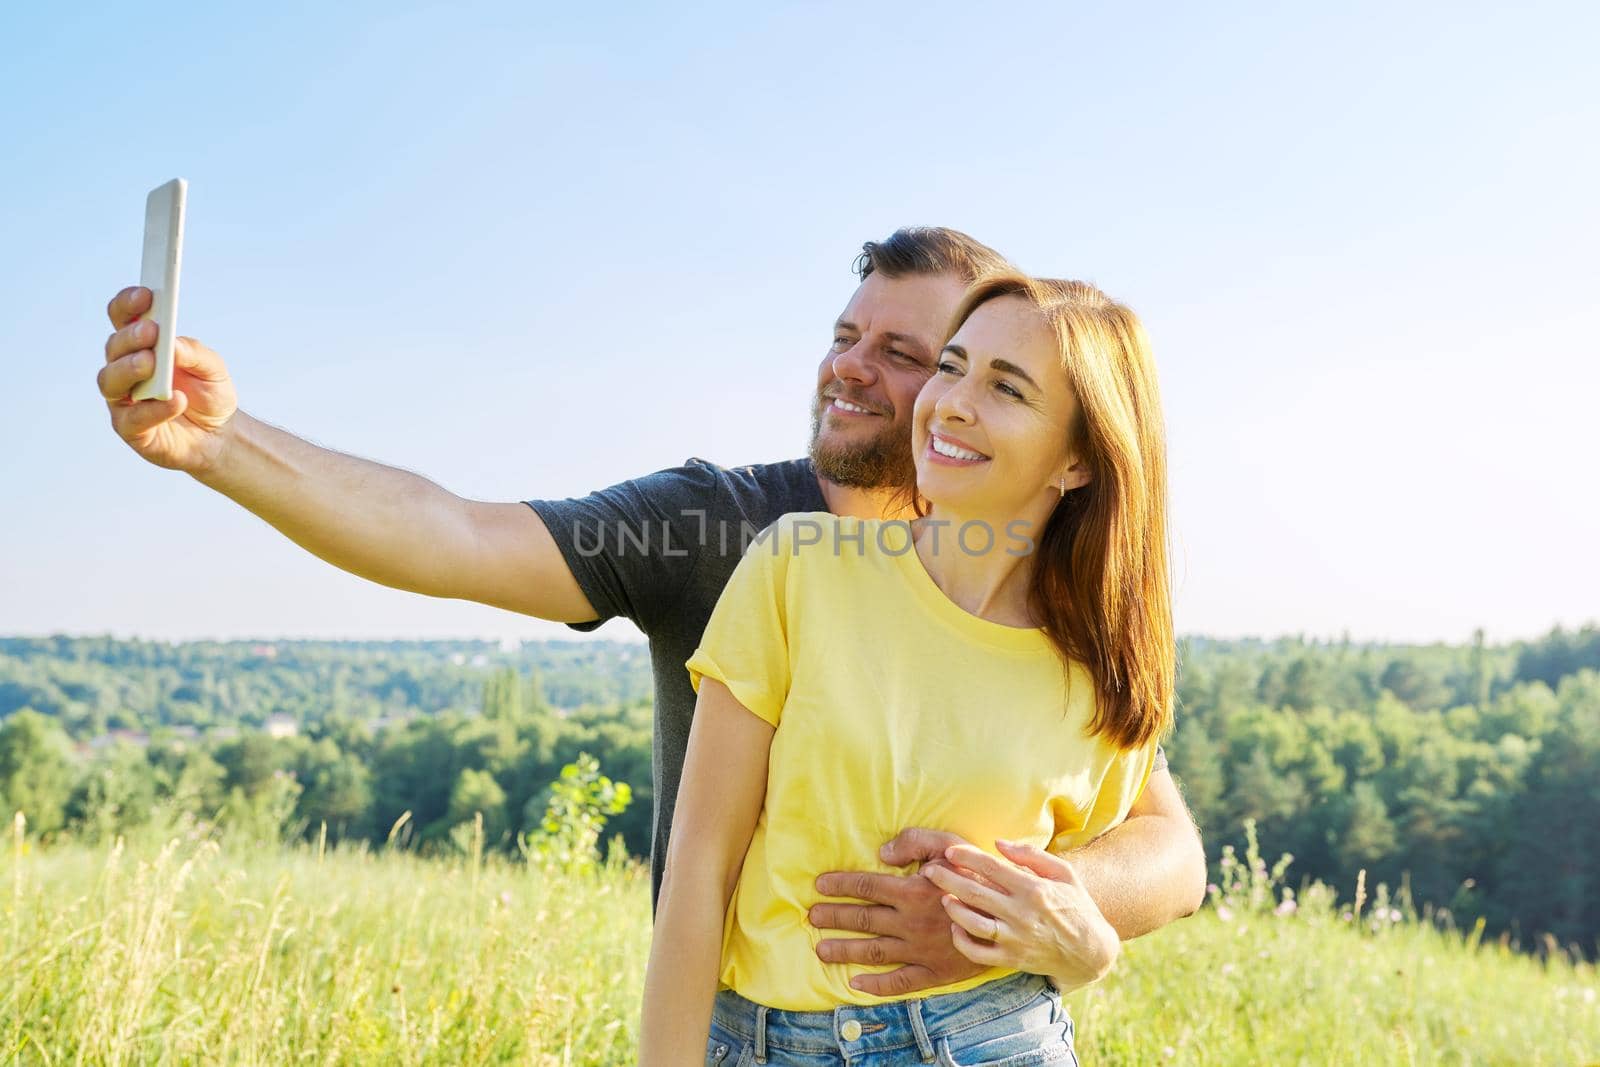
point(843, 342)
point(905, 357)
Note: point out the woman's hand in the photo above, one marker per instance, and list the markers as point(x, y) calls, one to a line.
point(1027, 911)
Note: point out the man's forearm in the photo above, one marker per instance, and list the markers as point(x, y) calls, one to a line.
point(1144, 872)
point(384, 524)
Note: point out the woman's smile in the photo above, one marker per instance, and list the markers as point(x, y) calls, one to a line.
point(950, 453)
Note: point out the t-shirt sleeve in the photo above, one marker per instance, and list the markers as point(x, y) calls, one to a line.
point(1124, 781)
point(746, 644)
point(633, 546)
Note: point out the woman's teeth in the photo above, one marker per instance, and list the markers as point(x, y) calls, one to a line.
point(944, 448)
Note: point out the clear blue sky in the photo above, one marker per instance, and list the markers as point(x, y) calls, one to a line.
point(530, 254)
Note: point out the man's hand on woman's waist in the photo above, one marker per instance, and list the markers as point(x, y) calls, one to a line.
point(962, 912)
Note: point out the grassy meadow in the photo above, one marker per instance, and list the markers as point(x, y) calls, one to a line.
point(189, 951)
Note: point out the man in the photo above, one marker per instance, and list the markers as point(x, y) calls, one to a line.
point(658, 550)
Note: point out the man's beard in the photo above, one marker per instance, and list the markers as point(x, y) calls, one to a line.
point(883, 461)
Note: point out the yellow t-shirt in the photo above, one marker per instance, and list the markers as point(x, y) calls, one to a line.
point(894, 707)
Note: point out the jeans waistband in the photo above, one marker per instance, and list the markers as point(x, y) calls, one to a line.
point(895, 1024)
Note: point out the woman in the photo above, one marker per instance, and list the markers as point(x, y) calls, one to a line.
point(858, 676)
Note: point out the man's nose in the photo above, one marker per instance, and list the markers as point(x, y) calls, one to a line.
point(853, 365)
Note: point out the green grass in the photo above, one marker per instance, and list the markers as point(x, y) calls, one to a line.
point(193, 953)
point(1313, 990)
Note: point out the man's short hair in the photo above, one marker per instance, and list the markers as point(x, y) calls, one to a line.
point(930, 250)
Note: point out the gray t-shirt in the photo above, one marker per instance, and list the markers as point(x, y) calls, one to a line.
point(658, 550)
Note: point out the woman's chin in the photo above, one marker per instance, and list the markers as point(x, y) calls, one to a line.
point(937, 494)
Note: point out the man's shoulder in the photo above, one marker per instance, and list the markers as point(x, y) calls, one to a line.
point(763, 491)
point(782, 473)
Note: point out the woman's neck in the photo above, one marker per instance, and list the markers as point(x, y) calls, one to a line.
point(985, 565)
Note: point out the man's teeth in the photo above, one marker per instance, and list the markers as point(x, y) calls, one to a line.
point(843, 405)
point(944, 448)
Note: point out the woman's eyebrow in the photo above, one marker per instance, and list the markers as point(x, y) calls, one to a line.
point(1007, 367)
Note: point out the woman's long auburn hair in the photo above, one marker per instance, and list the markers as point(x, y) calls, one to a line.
point(1101, 589)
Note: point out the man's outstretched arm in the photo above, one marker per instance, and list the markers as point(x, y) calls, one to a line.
point(384, 524)
point(1150, 868)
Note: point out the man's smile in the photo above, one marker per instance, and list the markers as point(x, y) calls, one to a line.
point(842, 405)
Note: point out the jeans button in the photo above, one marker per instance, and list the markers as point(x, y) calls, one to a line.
point(851, 1030)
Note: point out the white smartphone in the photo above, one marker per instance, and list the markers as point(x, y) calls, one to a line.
point(163, 254)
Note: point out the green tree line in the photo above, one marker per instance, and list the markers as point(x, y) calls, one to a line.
point(352, 741)
point(1469, 773)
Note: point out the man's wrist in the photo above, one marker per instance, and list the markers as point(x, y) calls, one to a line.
point(215, 472)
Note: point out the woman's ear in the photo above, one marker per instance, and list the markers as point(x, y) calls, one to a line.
point(1075, 476)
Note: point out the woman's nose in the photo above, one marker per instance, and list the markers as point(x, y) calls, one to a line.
point(954, 405)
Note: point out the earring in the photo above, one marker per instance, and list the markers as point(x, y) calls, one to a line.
point(1063, 486)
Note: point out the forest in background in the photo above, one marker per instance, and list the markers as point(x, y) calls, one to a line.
point(1467, 774)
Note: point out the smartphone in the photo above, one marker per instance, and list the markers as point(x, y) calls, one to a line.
point(163, 254)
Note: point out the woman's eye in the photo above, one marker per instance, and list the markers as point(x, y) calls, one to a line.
point(946, 367)
point(1009, 390)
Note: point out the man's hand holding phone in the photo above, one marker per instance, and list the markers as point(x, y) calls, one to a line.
point(187, 432)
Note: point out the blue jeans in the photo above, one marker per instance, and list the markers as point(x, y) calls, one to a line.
point(1011, 1022)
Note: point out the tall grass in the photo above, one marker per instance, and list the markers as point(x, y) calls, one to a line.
point(178, 949)
point(189, 952)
